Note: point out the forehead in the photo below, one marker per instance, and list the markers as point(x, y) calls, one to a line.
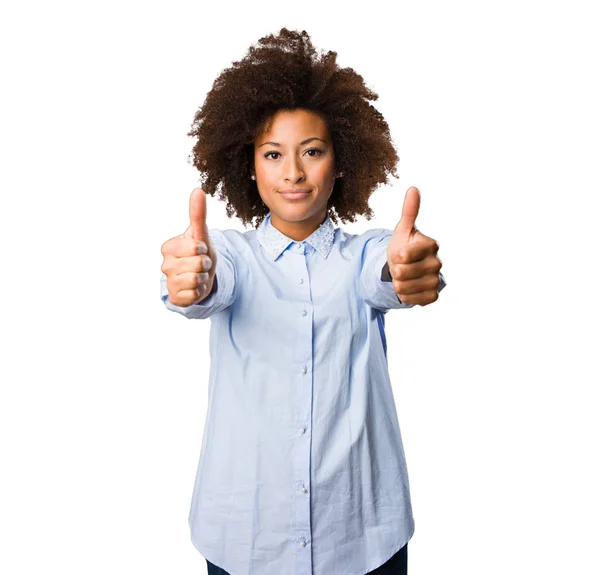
point(292, 124)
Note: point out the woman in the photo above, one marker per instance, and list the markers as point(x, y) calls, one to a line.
point(302, 469)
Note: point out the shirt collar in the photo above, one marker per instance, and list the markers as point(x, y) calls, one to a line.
point(274, 242)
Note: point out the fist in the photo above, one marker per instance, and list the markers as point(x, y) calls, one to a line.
point(190, 259)
point(412, 257)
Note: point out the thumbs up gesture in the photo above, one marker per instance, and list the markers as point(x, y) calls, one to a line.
point(412, 257)
point(190, 260)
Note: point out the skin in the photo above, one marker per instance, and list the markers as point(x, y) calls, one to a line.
point(190, 259)
point(291, 164)
point(412, 257)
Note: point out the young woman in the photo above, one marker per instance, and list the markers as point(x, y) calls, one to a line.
point(302, 468)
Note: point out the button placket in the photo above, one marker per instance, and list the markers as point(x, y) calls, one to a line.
point(303, 400)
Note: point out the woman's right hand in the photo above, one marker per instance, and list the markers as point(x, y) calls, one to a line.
point(190, 260)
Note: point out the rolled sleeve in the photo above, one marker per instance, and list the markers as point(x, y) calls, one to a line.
point(225, 276)
point(376, 291)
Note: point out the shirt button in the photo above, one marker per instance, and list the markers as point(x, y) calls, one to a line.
point(303, 430)
point(303, 370)
point(304, 490)
point(301, 280)
point(303, 542)
point(303, 312)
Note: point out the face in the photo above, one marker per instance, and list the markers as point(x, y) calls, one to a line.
point(296, 153)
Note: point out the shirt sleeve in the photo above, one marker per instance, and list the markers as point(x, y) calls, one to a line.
point(225, 277)
point(379, 292)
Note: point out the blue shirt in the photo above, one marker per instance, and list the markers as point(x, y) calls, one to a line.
point(302, 468)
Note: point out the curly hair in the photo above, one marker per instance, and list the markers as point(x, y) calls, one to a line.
point(283, 72)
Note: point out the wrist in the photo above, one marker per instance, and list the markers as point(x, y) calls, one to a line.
point(385, 273)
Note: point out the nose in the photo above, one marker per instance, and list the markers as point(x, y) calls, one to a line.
point(293, 170)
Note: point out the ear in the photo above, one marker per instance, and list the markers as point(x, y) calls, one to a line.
point(251, 166)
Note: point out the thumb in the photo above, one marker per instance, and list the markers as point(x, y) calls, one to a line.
point(410, 210)
point(198, 229)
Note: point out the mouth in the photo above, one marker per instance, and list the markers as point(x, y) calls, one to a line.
point(294, 194)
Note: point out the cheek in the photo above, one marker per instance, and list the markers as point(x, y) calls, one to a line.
point(264, 170)
point(324, 172)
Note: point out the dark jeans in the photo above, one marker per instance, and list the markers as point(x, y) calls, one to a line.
point(396, 565)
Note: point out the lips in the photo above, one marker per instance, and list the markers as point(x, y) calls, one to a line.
point(294, 194)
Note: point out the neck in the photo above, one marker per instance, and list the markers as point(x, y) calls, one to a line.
point(298, 231)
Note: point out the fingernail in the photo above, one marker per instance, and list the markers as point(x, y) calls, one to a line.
point(202, 249)
point(206, 263)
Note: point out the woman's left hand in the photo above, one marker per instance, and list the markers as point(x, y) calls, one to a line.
point(412, 257)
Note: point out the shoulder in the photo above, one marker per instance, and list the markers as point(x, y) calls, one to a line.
point(227, 236)
point(232, 242)
point(367, 239)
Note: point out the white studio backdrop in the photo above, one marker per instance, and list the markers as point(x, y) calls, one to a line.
point(493, 108)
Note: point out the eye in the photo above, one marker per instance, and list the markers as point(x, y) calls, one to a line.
point(315, 150)
point(318, 150)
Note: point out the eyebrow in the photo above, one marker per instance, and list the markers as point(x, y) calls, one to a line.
point(301, 143)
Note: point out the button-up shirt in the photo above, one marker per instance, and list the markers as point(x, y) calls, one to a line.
point(302, 468)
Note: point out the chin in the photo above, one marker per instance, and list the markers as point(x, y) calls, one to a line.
point(295, 217)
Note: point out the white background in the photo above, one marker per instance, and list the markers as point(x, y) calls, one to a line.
point(493, 108)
